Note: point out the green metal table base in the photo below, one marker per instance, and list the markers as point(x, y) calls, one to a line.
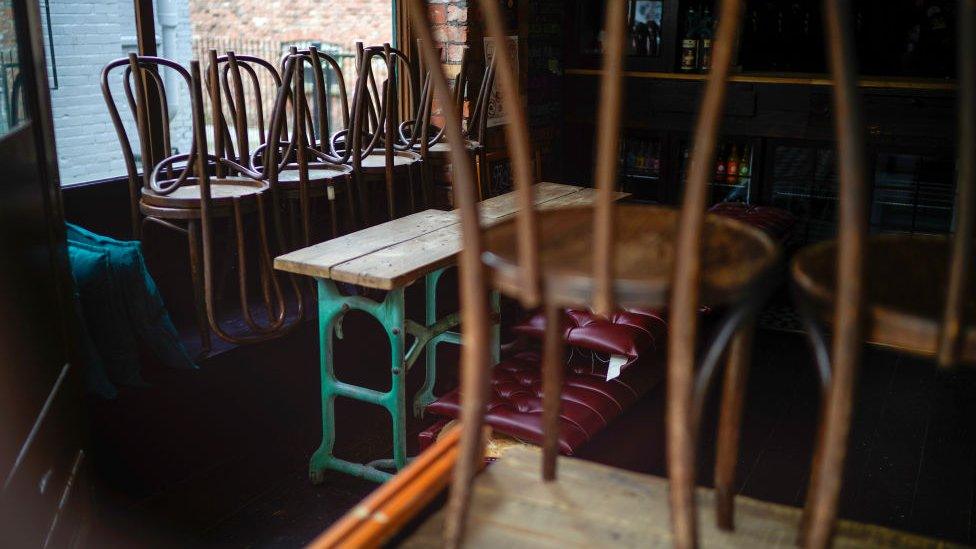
point(391, 315)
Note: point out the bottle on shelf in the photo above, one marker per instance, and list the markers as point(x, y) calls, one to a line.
point(745, 164)
point(707, 32)
point(732, 165)
point(689, 44)
point(720, 164)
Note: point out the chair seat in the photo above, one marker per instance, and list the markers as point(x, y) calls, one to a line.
point(734, 256)
point(223, 191)
point(906, 279)
point(318, 176)
point(777, 222)
point(376, 161)
point(444, 148)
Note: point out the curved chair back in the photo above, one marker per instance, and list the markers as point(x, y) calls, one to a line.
point(376, 117)
point(244, 81)
point(164, 174)
point(530, 284)
point(148, 80)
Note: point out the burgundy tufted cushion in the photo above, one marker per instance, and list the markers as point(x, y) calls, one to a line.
point(776, 222)
point(629, 332)
point(589, 402)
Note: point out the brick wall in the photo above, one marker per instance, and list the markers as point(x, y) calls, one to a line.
point(340, 22)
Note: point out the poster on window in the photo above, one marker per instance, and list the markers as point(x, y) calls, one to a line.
point(496, 108)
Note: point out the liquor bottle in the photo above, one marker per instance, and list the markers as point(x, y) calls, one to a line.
point(705, 45)
point(732, 166)
point(655, 166)
point(689, 45)
point(720, 167)
point(745, 163)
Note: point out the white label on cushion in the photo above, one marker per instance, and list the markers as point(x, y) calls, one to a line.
point(616, 364)
point(330, 191)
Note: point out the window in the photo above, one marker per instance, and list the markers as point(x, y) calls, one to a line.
point(82, 37)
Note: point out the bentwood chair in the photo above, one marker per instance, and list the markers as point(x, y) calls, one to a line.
point(372, 143)
point(435, 150)
point(912, 293)
point(187, 192)
point(607, 256)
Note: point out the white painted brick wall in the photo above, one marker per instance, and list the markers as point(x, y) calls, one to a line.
point(87, 35)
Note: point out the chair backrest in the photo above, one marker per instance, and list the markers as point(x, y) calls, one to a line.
point(145, 91)
point(684, 389)
point(960, 263)
point(248, 84)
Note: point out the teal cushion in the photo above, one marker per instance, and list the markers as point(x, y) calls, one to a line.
point(144, 304)
point(89, 267)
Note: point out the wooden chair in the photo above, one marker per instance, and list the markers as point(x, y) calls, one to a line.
point(435, 150)
point(608, 256)
point(372, 143)
point(185, 192)
point(907, 292)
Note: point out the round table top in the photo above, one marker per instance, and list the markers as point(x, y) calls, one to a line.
point(733, 255)
point(906, 279)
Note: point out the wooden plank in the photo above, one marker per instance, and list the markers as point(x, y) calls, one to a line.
point(593, 505)
point(507, 204)
point(584, 197)
point(317, 260)
point(401, 264)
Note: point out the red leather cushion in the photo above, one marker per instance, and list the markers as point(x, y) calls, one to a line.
point(589, 402)
point(629, 332)
point(776, 222)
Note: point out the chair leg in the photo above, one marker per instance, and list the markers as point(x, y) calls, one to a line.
point(426, 184)
point(552, 384)
point(413, 191)
point(474, 390)
point(730, 422)
point(196, 274)
point(350, 205)
point(333, 210)
point(828, 467)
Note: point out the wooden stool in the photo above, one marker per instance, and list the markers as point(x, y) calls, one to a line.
point(606, 256)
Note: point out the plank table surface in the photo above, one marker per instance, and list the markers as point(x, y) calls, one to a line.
point(593, 505)
point(395, 253)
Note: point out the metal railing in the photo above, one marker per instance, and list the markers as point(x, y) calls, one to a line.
point(272, 50)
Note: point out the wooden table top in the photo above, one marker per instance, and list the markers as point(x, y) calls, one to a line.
point(395, 253)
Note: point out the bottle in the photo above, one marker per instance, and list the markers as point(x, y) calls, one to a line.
point(641, 158)
point(745, 163)
point(720, 168)
point(689, 45)
point(655, 166)
point(705, 46)
point(732, 166)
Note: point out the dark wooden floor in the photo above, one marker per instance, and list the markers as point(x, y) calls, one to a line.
point(218, 456)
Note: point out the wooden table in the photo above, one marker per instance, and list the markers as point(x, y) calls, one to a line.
point(392, 256)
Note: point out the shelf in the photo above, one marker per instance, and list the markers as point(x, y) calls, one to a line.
point(795, 79)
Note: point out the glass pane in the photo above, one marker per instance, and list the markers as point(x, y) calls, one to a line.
point(913, 193)
point(268, 30)
point(804, 181)
point(12, 112)
point(80, 39)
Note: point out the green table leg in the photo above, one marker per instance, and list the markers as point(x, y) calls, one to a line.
point(426, 394)
point(390, 314)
